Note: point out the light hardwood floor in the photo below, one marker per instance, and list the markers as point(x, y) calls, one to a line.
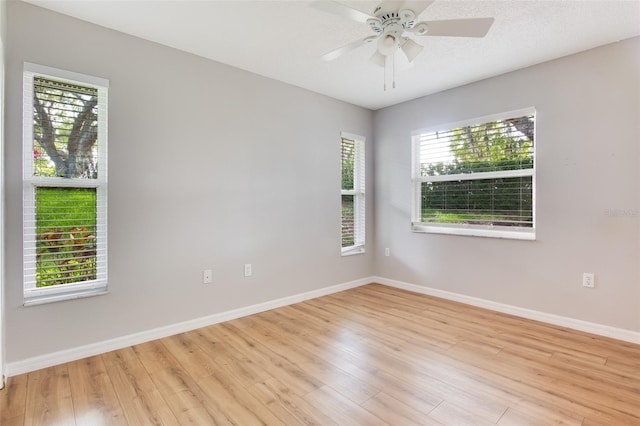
point(367, 356)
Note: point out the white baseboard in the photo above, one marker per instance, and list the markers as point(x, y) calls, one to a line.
point(60, 357)
point(55, 358)
point(589, 327)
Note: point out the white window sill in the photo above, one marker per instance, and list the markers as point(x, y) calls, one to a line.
point(42, 295)
point(350, 251)
point(506, 232)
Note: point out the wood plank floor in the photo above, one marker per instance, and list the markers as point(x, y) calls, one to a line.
point(367, 356)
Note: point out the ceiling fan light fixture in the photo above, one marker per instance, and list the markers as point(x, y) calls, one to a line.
point(411, 49)
point(378, 59)
point(387, 44)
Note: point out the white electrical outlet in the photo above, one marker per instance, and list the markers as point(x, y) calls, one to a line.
point(207, 276)
point(387, 252)
point(247, 270)
point(588, 280)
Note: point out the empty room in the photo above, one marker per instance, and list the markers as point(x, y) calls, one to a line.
point(320, 212)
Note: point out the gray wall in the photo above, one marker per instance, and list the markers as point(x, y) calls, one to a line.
point(209, 167)
point(588, 210)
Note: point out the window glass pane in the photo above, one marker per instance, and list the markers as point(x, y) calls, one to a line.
point(65, 118)
point(494, 146)
point(66, 235)
point(348, 236)
point(348, 163)
point(501, 201)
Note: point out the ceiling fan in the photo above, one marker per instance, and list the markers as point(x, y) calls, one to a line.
point(395, 23)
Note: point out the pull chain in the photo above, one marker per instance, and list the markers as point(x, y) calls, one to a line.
point(393, 71)
point(393, 59)
point(384, 74)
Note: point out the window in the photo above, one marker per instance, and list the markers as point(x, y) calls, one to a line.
point(353, 203)
point(65, 185)
point(476, 177)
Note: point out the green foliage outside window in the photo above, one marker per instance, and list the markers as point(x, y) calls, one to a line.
point(66, 235)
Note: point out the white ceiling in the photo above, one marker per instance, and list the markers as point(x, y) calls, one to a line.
point(284, 40)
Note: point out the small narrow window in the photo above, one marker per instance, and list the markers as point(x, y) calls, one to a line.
point(353, 194)
point(476, 177)
point(65, 185)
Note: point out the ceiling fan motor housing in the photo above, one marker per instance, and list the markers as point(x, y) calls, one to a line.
point(390, 25)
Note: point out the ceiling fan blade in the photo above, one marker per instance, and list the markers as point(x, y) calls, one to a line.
point(340, 9)
point(474, 27)
point(418, 6)
point(334, 54)
point(390, 5)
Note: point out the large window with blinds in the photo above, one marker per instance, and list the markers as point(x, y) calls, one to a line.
point(352, 194)
point(476, 177)
point(65, 184)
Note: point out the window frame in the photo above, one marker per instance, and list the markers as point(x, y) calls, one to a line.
point(492, 231)
point(33, 295)
point(359, 195)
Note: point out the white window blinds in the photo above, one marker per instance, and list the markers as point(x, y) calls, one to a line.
point(476, 176)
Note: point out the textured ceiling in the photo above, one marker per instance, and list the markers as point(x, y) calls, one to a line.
point(284, 40)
